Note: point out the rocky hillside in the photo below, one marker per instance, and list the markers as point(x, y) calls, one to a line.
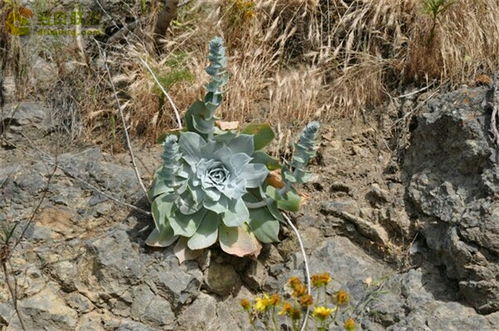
point(424, 221)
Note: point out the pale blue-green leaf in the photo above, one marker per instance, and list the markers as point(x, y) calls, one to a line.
point(264, 225)
point(242, 144)
point(190, 201)
point(255, 174)
point(204, 126)
point(238, 162)
point(207, 233)
point(190, 146)
point(158, 187)
point(213, 194)
point(161, 239)
point(224, 136)
point(219, 206)
point(162, 207)
point(186, 225)
point(236, 214)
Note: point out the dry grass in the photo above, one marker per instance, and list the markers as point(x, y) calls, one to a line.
point(291, 61)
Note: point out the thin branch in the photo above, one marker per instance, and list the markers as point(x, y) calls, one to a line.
point(177, 114)
point(305, 261)
point(123, 121)
point(13, 293)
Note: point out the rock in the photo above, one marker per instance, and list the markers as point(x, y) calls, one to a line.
point(91, 322)
point(200, 315)
point(151, 309)
point(340, 205)
point(79, 302)
point(180, 284)
point(453, 175)
point(377, 196)
point(65, 273)
point(256, 276)
point(22, 118)
point(47, 310)
point(340, 187)
point(222, 279)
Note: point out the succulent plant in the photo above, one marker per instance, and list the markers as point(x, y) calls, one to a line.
point(212, 186)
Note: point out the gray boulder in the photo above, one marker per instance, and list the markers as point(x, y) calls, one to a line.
point(452, 172)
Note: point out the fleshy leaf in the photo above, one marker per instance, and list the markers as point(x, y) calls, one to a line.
point(242, 144)
point(262, 134)
point(239, 241)
point(255, 174)
point(186, 225)
point(267, 160)
point(291, 202)
point(184, 253)
point(207, 233)
point(194, 111)
point(158, 187)
point(162, 207)
point(161, 239)
point(218, 207)
point(264, 225)
point(237, 213)
point(190, 145)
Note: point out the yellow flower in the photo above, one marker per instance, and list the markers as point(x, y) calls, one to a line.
point(245, 304)
point(262, 304)
point(294, 281)
point(306, 300)
point(297, 286)
point(342, 298)
point(275, 299)
point(286, 309)
point(320, 280)
point(349, 325)
point(299, 290)
point(322, 313)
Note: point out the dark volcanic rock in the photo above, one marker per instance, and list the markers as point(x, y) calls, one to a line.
point(453, 181)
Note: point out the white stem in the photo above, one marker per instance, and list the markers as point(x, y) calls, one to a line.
point(177, 114)
point(307, 270)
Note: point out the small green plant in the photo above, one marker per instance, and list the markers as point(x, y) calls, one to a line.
point(435, 8)
point(177, 72)
point(213, 185)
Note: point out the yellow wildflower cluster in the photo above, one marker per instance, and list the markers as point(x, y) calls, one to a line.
point(320, 280)
point(266, 302)
point(300, 300)
point(322, 313)
point(297, 287)
point(349, 325)
point(342, 298)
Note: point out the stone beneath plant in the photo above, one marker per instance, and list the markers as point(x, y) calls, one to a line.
point(222, 279)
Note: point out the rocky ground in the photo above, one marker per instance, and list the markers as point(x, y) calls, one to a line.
point(424, 220)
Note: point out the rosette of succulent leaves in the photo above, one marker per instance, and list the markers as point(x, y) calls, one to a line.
point(214, 184)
